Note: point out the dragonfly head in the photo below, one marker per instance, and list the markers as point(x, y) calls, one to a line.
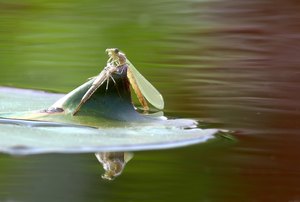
point(112, 52)
point(116, 55)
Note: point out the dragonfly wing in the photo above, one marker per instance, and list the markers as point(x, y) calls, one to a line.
point(137, 90)
point(147, 89)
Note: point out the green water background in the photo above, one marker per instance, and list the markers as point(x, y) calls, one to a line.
point(228, 64)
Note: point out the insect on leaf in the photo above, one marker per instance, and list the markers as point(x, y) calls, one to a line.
point(147, 89)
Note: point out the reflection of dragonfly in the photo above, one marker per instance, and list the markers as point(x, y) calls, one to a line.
point(141, 86)
point(113, 163)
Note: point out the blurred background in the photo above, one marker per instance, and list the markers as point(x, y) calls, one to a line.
point(228, 64)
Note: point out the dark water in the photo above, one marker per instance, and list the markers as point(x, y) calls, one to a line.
point(229, 64)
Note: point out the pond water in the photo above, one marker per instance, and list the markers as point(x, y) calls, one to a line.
point(227, 64)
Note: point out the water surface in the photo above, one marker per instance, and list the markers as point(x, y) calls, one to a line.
point(228, 64)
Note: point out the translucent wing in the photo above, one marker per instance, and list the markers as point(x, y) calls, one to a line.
point(147, 89)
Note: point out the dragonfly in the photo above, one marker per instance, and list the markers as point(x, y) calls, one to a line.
point(144, 90)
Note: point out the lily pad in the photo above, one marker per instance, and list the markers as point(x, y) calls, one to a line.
point(27, 140)
point(23, 137)
point(106, 122)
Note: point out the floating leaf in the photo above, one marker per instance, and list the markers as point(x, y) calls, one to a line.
point(106, 122)
point(32, 140)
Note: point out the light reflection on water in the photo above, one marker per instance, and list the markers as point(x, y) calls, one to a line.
point(230, 64)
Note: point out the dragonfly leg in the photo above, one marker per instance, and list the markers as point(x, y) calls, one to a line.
point(107, 82)
point(112, 78)
point(109, 60)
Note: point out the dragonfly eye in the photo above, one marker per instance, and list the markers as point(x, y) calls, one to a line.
point(117, 50)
